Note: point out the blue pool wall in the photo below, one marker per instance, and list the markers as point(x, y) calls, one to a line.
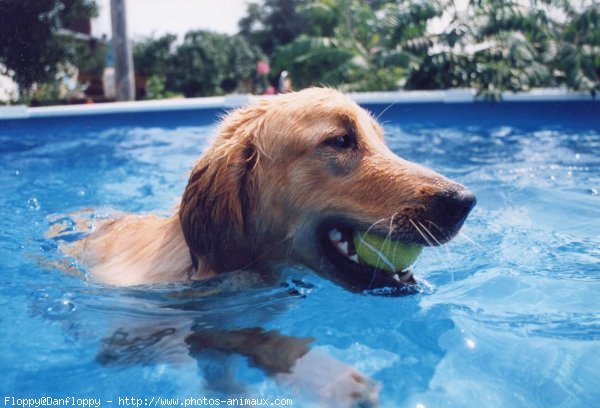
point(442, 108)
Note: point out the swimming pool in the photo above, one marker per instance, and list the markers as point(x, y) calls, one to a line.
point(508, 313)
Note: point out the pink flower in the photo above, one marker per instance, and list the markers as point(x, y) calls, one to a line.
point(262, 68)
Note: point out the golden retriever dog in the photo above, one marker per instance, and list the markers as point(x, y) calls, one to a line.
point(289, 179)
point(286, 180)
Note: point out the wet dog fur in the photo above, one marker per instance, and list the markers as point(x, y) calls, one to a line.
point(279, 175)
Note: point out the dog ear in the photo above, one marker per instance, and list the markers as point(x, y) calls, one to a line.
point(215, 206)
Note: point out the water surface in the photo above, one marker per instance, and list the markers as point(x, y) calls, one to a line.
point(508, 315)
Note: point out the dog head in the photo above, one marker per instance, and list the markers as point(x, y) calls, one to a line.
point(292, 177)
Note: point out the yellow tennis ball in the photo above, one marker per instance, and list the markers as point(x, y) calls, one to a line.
point(386, 254)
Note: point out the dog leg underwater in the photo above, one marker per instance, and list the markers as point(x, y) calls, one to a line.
point(310, 372)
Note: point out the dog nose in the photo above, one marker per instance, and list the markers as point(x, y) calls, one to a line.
point(456, 204)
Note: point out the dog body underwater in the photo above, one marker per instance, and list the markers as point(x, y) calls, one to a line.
point(287, 179)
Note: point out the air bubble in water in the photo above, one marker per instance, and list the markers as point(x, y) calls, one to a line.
point(33, 204)
point(60, 308)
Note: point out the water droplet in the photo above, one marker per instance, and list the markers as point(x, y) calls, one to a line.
point(17, 172)
point(594, 191)
point(60, 308)
point(470, 343)
point(33, 204)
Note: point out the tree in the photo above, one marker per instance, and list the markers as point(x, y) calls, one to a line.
point(272, 23)
point(492, 45)
point(205, 64)
point(574, 51)
point(153, 61)
point(201, 64)
point(154, 56)
point(365, 46)
point(31, 48)
point(509, 45)
point(242, 58)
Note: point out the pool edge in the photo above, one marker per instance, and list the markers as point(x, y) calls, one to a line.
point(232, 101)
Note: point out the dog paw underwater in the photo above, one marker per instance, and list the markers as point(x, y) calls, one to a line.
point(305, 179)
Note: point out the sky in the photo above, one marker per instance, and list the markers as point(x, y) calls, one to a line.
point(157, 17)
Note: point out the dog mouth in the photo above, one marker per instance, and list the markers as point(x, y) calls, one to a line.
point(364, 260)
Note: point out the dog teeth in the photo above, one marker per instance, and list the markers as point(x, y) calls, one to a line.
point(354, 258)
point(335, 235)
point(343, 247)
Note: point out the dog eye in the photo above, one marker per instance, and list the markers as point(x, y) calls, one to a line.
point(340, 142)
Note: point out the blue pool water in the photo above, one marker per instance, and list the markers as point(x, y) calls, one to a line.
point(508, 314)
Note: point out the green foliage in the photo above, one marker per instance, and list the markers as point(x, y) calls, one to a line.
point(205, 64)
point(31, 49)
point(574, 53)
point(54, 91)
point(71, 12)
point(154, 56)
point(87, 56)
point(311, 61)
point(47, 93)
point(272, 23)
point(500, 45)
point(156, 88)
point(241, 63)
point(493, 45)
point(356, 44)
